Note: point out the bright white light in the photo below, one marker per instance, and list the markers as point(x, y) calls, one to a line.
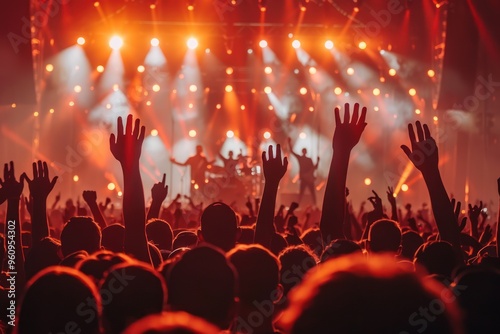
point(362, 45)
point(268, 90)
point(155, 42)
point(368, 181)
point(303, 90)
point(267, 135)
point(376, 91)
point(229, 88)
point(111, 186)
point(116, 42)
point(350, 71)
point(193, 88)
point(77, 88)
point(156, 88)
point(263, 43)
point(392, 72)
point(141, 68)
point(154, 132)
point(329, 44)
point(192, 43)
point(404, 187)
point(192, 133)
point(412, 91)
point(302, 135)
point(296, 44)
point(100, 68)
point(312, 70)
point(80, 41)
point(268, 70)
point(230, 134)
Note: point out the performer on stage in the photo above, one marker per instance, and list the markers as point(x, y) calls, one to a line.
point(306, 172)
point(230, 163)
point(199, 165)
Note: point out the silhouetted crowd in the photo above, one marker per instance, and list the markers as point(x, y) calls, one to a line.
point(185, 268)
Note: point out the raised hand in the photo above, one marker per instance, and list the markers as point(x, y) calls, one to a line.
point(89, 196)
point(424, 152)
point(41, 185)
point(456, 206)
point(348, 133)
point(390, 196)
point(376, 201)
point(104, 206)
point(126, 146)
point(11, 188)
point(474, 213)
point(159, 191)
point(274, 167)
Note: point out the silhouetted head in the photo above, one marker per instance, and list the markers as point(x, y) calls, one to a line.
point(355, 294)
point(160, 233)
point(313, 239)
point(80, 233)
point(340, 247)
point(384, 236)
point(130, 292)
point(171, 323)
point(437, 257)
point(113, 238)
point(258, 273)
point(43, 254)
point(58, 300)
point(295, 262)
point(410, 241)
point(230, 154)
point(96, 265)
point(185, 239)
point(203, 283)
point(199, 149)
point(219, 226)
point(478, 293)
point(304, 151)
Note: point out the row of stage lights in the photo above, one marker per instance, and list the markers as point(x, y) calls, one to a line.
point(116, 42)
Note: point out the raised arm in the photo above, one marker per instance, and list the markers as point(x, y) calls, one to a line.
point(12, 191)
point(274, 170)
point(392, 200)
point(424, 155)
point(498, 220)
point(126, 147)
point(159, 192)
point(90, 197)
point(40, 187)
point(290, 146)
point(172, 160)
point(346, 136)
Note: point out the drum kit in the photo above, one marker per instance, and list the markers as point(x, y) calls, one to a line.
point(244, 180)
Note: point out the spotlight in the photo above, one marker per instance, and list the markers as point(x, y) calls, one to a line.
point(267, 135)
point(77, 88)
point(262, 5)
point(303, 4)
point(263, 43)
point(376, 91)
point(268, 90)
point(192, 133)
point(229, 88)
point(296, 44)
point(100, 68)
point(154, 132)
point(193, 88)
point(404, 187)
point(230, 134)
point(431, 73)
point(329, 45)
point(268, 70)
point(362, 45)
point(49, 67)
point(302, 135)
point(312, 70)
point(392, 72)
point(76, 178)
point(192, 43)
point(350, 71)
point(155, 42)
point(412, 92)
point(368, 181)
point(111, 186)
point(190, 5)
point(141, 68)
point(337, 90)
point(303, 91)
point(417, 111)
point(80, 41)
point(242, 107)
point(156, 88)
point(116, 42)
point(229, 70)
